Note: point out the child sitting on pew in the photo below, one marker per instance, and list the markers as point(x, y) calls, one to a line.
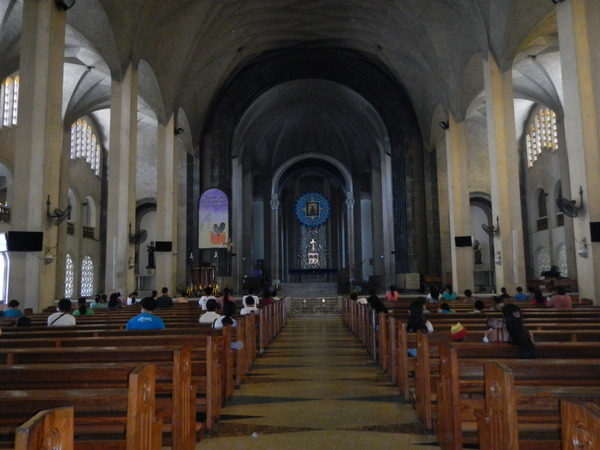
point(497, 331)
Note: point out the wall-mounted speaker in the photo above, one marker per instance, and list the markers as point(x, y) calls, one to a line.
point(463, 241)
point(595, 231)
point(24, 241)
point(163, 246)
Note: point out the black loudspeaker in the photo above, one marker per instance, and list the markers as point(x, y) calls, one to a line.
point(163, 246)
point(595, 231)
point(65, 4)
point(24, 241)
point(463, 241)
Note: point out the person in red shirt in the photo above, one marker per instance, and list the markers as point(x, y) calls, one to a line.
point(392, 294)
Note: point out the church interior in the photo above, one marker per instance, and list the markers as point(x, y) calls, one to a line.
point(314, 148)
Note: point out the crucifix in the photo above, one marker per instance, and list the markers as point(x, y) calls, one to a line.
point(313, 244)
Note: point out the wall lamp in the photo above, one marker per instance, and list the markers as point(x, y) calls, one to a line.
point(179, 131)
point(48, 257)
point(583, 248)
point(444, 125)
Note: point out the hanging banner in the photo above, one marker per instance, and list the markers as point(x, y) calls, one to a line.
point(213, 230)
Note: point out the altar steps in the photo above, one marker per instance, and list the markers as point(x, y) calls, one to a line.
point(308, 289)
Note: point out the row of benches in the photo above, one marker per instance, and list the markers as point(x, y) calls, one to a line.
point(194, 368)
point(448, 378)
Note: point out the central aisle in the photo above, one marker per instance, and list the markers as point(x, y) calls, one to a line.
point(316, 387)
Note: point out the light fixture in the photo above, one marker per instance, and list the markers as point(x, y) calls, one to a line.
point(498, 259)
point(556, 1)
point(444, 125)
point(178, 131)
point(130, 264)
point(48, 257)
point(583, 248)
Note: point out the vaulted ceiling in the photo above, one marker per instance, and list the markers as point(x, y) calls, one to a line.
point(190, 51)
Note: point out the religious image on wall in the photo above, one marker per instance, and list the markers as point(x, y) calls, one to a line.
point(312, 211)
point(213, 229)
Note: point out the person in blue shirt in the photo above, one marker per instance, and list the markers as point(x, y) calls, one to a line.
point(146, 320)
point(520, 295)
point(12, 310)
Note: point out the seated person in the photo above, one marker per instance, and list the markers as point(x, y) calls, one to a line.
point(249, 300)
point(208, 291)
point(520, 295)
point(375, 303)
point(183, 298)
point(445, 309)
point(503, 293)
point(83, 310)
point(497, 331)
point(210, 315)
point(468, 298)
point(449, 294)
point(62, 318)
point(392, 294)
point(560, 300)
point(165, 300)
point(98, 303)
point(226, 319)
point(146, 320)
point(113, 302)
point(12, 310)
point(498, 303)
point(478, 307)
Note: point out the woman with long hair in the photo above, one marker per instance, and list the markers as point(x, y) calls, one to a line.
point(416, 321)
point(519, 335)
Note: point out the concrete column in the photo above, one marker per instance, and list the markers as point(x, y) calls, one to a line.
point(37, 152)
point(121, 183)
point(275, 263)
point(444, 265)
point(236, 223)
point(579, 39)
point(504, 176)
point(459, 207)
point(350, 239)
point(166, 206)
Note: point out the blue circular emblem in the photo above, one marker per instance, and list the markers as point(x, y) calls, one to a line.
point(312, 209)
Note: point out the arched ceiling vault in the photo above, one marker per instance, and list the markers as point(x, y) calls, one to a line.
point(193, 49)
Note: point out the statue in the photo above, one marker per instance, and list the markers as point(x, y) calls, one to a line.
point(477, 250)
point(150, 248)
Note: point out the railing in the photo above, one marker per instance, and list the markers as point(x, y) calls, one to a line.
point(88, 232)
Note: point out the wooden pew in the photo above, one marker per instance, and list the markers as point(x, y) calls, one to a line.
point(176, 394)
point(105, 418)
point(580, 425)
point(522, 400)
point(207, 359)
point(50, 428)
point(460, 389)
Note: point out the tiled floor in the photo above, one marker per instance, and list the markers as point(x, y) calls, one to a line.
point(316, 388)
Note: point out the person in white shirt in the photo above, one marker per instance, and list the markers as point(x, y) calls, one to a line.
point(62, 318)
point(229, 309)
point(250, 294)
point(207, 296)
point(251, 306)
point(210, 315)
